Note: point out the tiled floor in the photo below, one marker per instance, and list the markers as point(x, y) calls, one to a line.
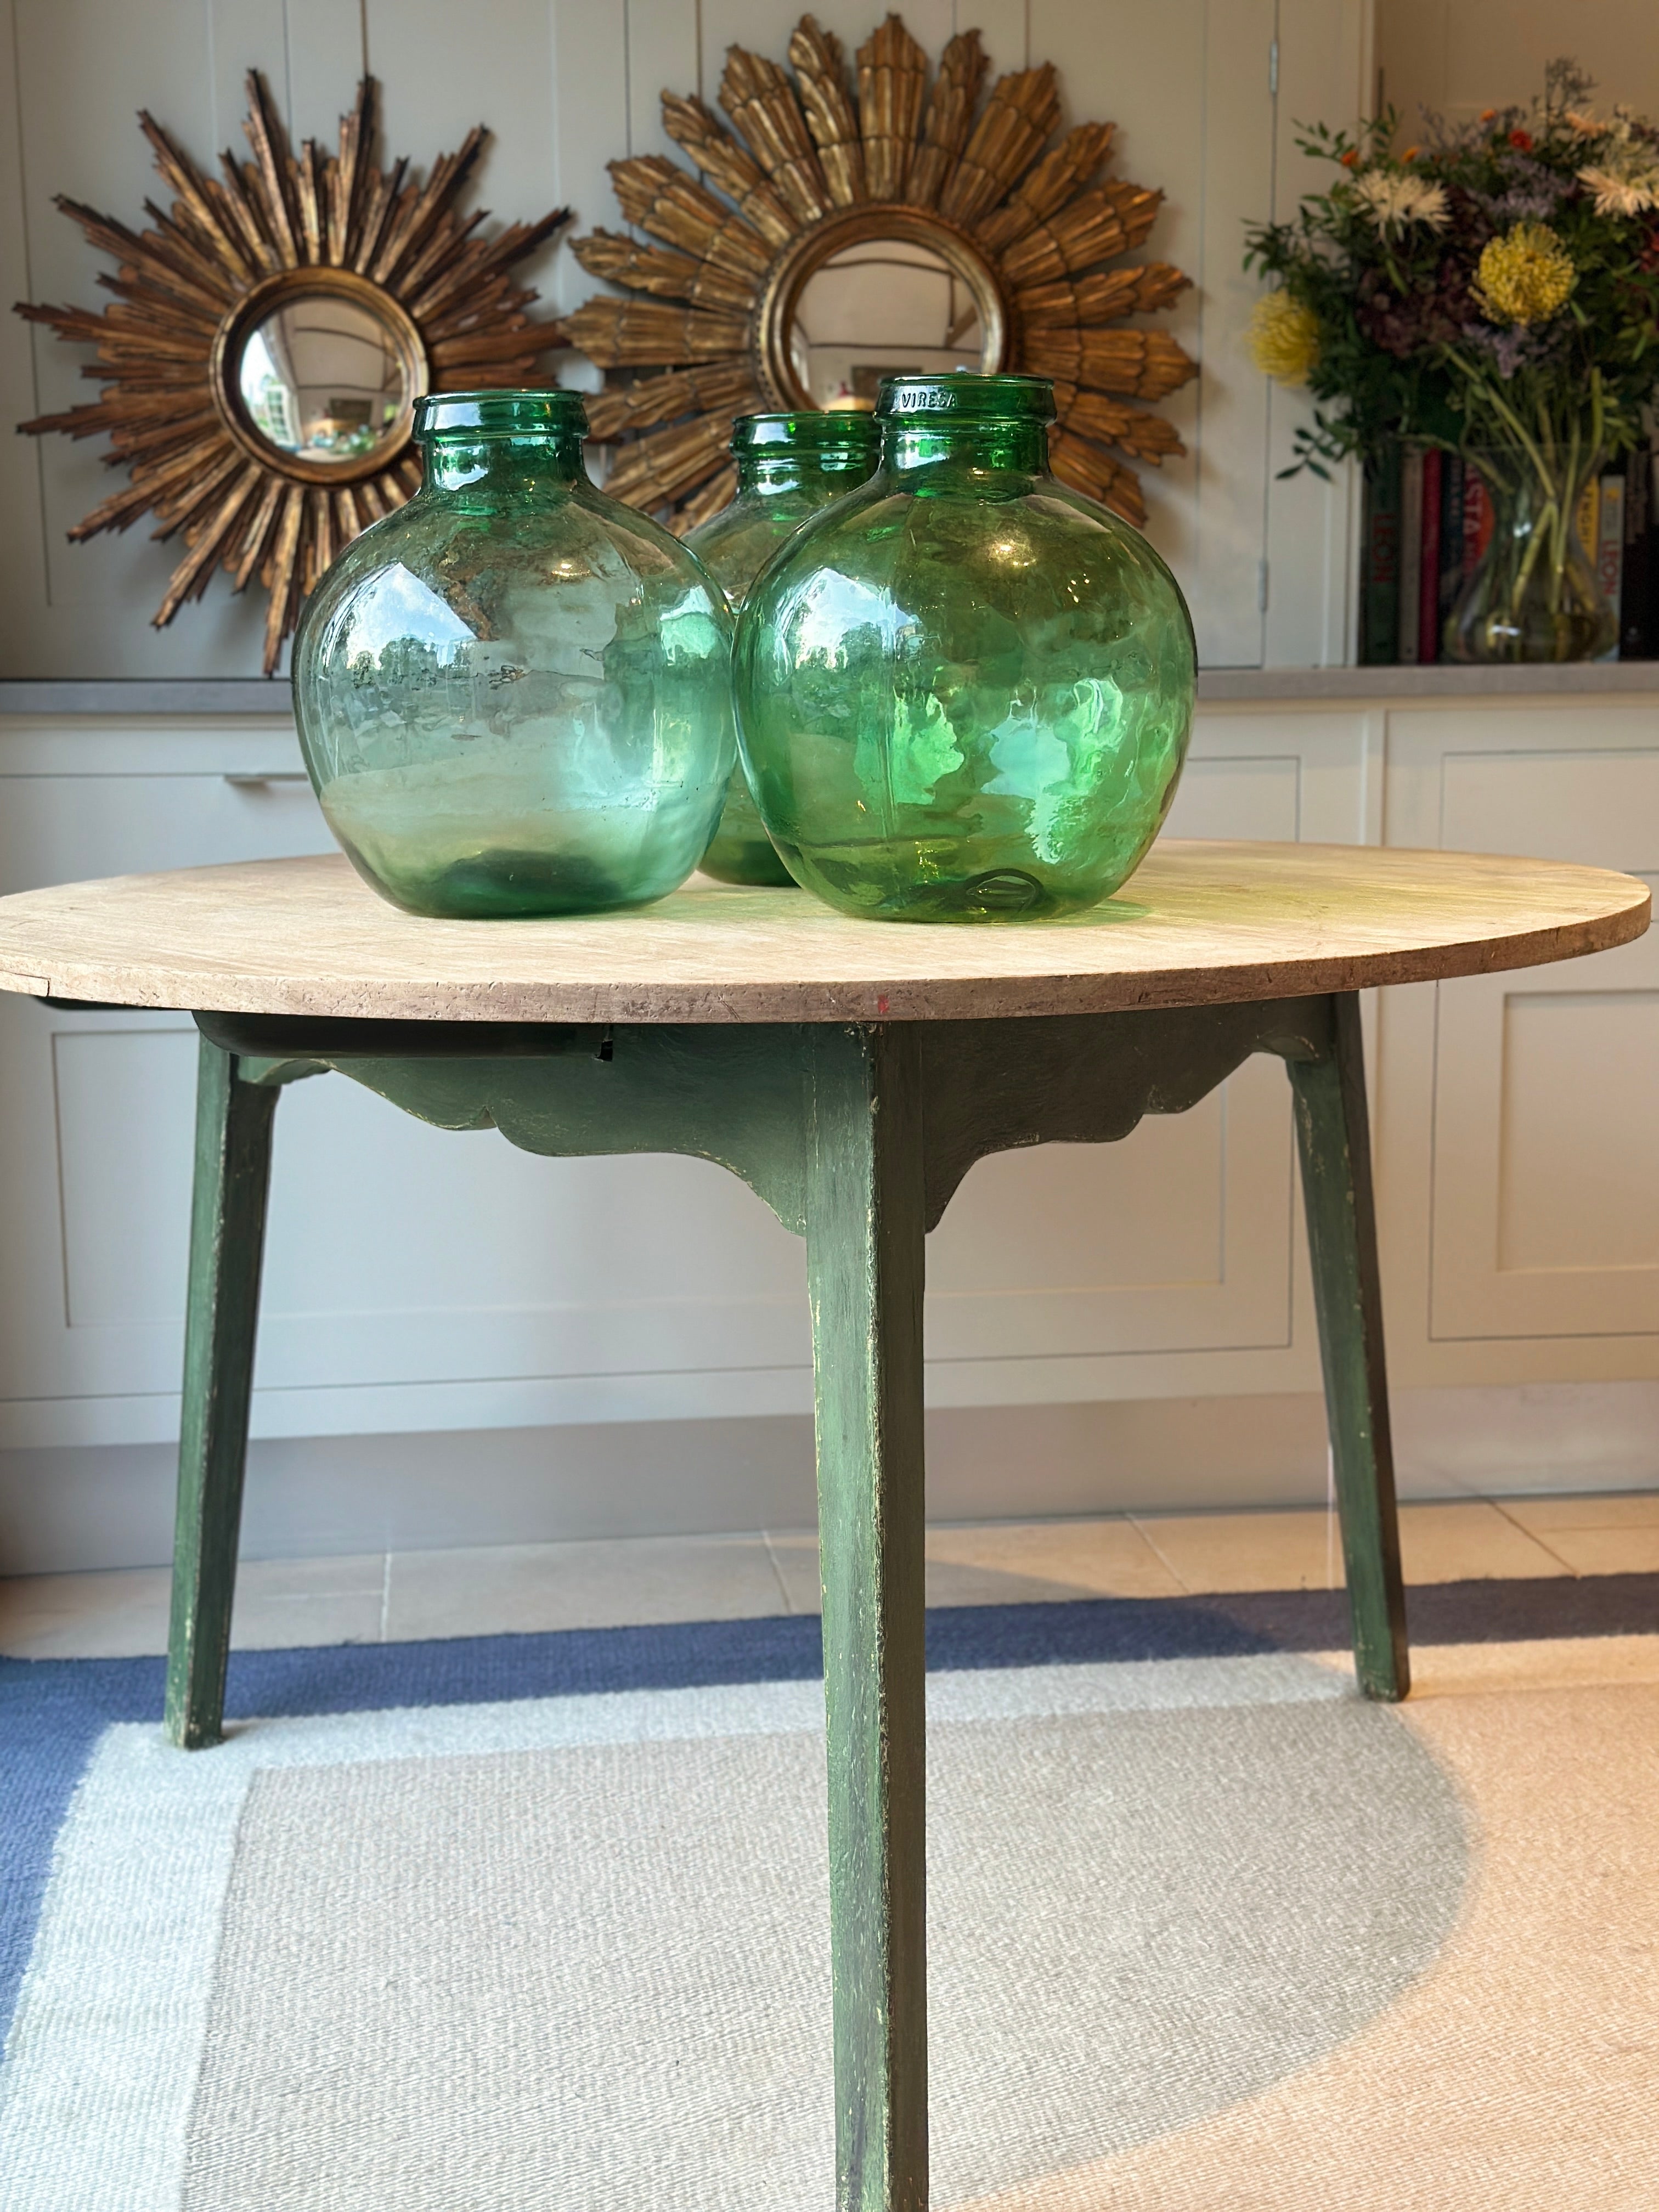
point(397, 1596)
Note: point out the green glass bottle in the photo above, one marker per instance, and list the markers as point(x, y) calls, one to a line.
point(788, 467)
point(514, 694)
point(964, 693)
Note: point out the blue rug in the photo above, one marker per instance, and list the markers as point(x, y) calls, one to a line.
point(353, 1744)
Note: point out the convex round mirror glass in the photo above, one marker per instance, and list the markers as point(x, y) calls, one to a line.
point(325, 379)
point(880, 307)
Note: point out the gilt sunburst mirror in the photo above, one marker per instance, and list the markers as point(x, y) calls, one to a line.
point(270, 334)
point(855, 223)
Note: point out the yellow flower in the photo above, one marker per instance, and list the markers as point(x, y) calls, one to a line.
point(1526, 276)
point(1283, 338)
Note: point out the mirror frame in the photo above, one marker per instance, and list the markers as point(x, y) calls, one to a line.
point(193, 284)
point(812, 250)
point(706, 279)
point(312, 282)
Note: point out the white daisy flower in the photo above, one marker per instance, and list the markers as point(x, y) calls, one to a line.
point(1632, 192)
point(1393, 200)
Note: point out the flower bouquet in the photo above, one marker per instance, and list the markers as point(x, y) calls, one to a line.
point(1493, 292)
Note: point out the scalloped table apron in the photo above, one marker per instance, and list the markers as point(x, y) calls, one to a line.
point(850, 1073)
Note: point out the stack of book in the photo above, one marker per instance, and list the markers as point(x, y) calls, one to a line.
point(1427, 522)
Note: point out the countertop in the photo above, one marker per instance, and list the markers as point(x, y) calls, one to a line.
point(244, 696)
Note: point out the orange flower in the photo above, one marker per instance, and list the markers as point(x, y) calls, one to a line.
point(1351, 159)
point(1410, 154)
point(1488, 114)
point(1522, 141)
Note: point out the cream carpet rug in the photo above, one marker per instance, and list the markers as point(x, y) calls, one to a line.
point(1205, 1931)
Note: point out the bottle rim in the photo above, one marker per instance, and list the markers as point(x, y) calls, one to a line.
point(963, 396)
point(549, 413)
point(805, 430)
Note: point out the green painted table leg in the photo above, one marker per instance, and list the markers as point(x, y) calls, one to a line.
point(864, 1217)
point(1333, 1132)
point(226, 1241)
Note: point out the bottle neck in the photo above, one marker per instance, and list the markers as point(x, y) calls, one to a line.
point(982, 448)
point(822, 476)
point(503, 469)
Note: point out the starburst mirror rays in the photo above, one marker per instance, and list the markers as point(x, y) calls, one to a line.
point(272, 332)
point(1007, 246)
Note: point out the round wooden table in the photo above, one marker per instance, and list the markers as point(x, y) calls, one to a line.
point(851, 1073)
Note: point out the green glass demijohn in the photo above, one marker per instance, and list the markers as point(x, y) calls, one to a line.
point(964, 692)
point(514, 693)
point(788, 467)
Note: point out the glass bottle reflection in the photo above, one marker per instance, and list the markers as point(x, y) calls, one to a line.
point(789, 466)
point(514, 693)
point(965, 691)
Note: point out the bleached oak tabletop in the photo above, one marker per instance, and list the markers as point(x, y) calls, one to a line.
point(1198, 924)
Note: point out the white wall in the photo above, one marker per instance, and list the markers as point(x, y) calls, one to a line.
point(1458, 56)
point(567, 85)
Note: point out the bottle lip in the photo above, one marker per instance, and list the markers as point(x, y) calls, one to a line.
point(806, 430)
point(962, 397)
point(498, 414)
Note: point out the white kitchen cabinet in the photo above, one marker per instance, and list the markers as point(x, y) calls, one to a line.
point(1520, 1194)
point(401, 1260)
point(417, 1280)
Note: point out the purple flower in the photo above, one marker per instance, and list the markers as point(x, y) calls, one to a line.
point(1509, 350)
point(1533, 194)
point(1522, 204)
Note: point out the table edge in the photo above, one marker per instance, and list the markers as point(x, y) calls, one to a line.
point(953, 999)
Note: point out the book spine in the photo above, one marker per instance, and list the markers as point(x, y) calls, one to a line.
point(1610, 548)
point(1638, 609)
point(1411, 557)
point(1477, 521)
point(1585, 518)
point(1428, 600)
point(1453, 493)
point(1383, 562)
point(1362, 627)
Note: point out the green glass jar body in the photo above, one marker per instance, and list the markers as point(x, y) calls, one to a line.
point(514, 694)
point(964, 693)
point(789, 467)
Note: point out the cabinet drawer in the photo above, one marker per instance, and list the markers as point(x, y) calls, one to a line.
point(59, 828)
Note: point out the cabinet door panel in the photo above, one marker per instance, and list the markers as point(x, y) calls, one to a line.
point(1567, 1197)
point(1259, 795)
point(1178, 1238)
point(120, 1094)
point(1598, 808)
point(1188, 84)
point(401, 1253)
point(1545, 1209)
point(96, 1109)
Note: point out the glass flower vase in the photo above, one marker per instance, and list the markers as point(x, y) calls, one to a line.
point(964, 692)
point(1534, 595)
point(788, 466)
point(514, 693)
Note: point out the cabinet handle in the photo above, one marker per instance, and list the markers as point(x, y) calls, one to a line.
point(256, 781)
